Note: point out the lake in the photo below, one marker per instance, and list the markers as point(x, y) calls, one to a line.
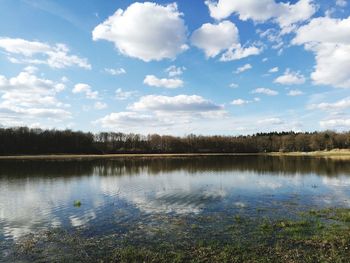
point(173, 203)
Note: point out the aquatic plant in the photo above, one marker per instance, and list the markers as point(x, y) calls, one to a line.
point(77, 203)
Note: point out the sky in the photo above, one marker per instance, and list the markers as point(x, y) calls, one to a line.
point(223, 67)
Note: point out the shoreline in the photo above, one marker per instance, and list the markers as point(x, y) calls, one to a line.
point(325, 154)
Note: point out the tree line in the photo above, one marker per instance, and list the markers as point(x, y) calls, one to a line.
point(23, 140)
point(298, 166)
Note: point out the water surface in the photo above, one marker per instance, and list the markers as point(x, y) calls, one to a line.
point(138, 197)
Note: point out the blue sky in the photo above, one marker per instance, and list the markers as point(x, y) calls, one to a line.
point(204, 67)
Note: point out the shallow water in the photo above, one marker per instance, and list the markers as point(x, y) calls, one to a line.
point(120, 196)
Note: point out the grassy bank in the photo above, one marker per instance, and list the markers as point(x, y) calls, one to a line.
point(333, 153)
point(329, 154)
point(113, 156)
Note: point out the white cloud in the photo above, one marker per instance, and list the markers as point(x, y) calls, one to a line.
point(274, 36)
point(64, 79)
point(86, 89)
point(285, 14)
point(116, 71)
point(120, 119)
point(240, 102)
point(127, 120)
point(332, 63)
point(233, 85)
point(34, 52)
point(324, 30)
point(238, 52)
point(295, 92)
point(147, 31)
point(26, 98)
point(179, 103)
point(124, 95)
point(60, 87)
point(341, 3)
point(30, 69)
point(273, 70)
point(338, 105)
point(100, 105)
point(265, 91)
point(163, 113)
point(328, 38)
point(174, 71)
point(290, 78)
point(271, 121)
point(170, 83)
point(335, 123)
point(243, 68)
point(23, 47)
point(292, 14)
point(213, 39)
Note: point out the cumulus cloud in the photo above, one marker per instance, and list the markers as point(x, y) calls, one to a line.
point(147, 31)
point(115, 71)
point(31, 69)
point(324, 30)
point(64, 79)
point(273, 35)
point(284, 14)
point(164, 113)
point(174, 71)
point(243, 68)
point(179, 103)
point(273, 70)
point(338, 105)
point(234, 85)
point(295, 92)
point(265, 91)
point(100, 105)
point(328, 38)
point(169, 83)
point(238, 52)
point(122, 119)
point(213, 39)
point(271, 121)
point(240, 102)
point(85, 89)
point(341, 3)
point(28, 97)
point(335, 123)
point(290, 78)
point(34, 52)
point(124, 95)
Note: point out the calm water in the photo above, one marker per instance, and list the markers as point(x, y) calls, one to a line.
point(131, 196)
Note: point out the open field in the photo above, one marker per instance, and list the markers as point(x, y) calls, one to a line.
point(343, 153)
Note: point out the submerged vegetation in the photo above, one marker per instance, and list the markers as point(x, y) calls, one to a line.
point(15, 141)
point(203, 220)
point(77, 203)
point(314, 236)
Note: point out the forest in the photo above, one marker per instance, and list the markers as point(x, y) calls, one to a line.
point(23, 140)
